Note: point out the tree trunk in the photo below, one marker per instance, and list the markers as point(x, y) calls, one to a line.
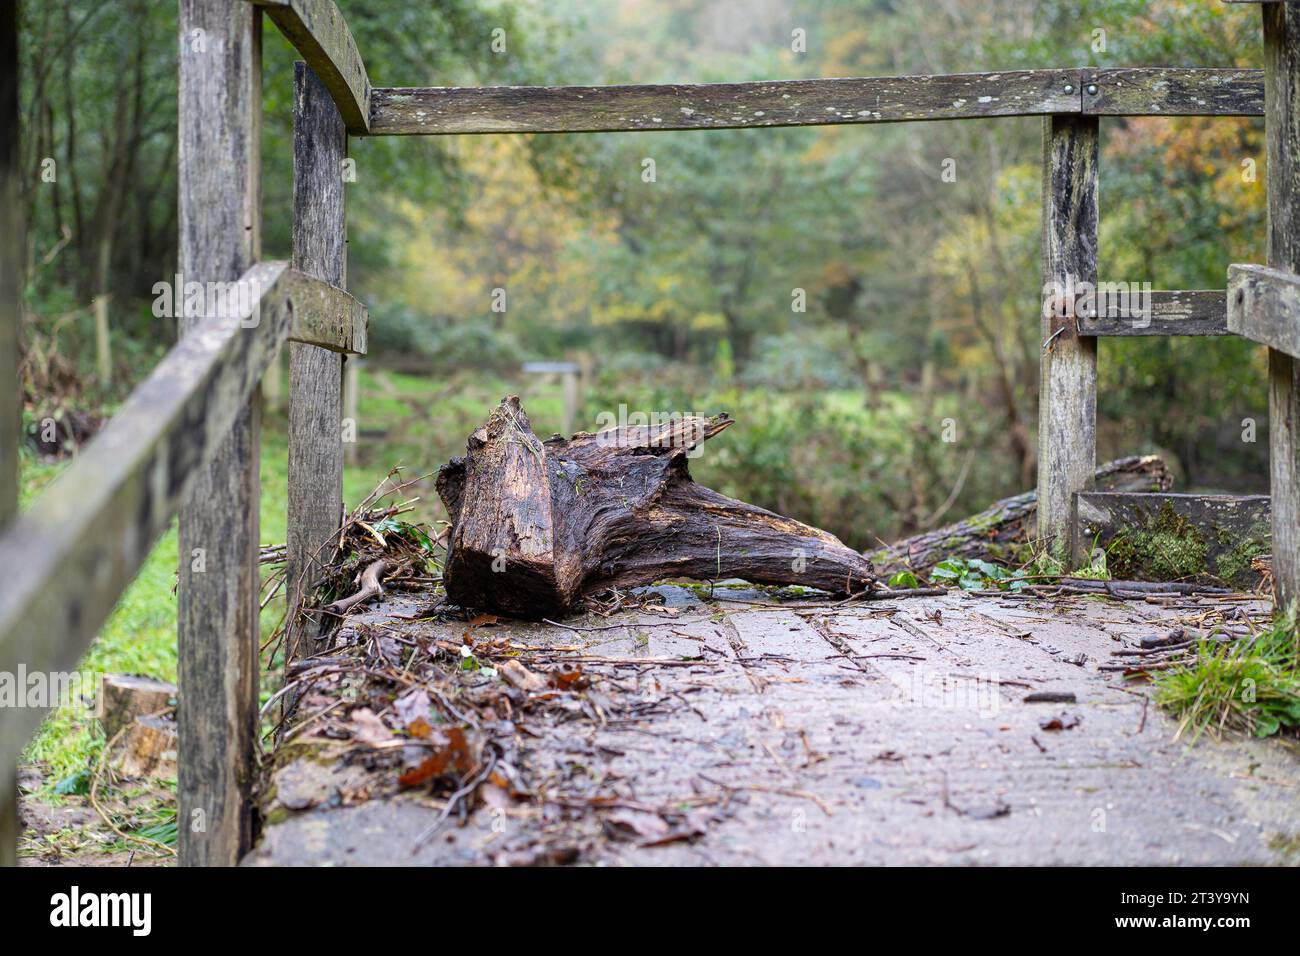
point(991, 533)
point(537, 525)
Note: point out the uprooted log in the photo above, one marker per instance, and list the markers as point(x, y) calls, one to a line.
point(994, 532)
point(536, 525)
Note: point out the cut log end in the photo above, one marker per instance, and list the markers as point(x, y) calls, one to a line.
point(537, 525)
point(148, 748)
point(124, 697)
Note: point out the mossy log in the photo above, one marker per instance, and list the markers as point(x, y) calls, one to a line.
point(536, 525)
point(997, 531)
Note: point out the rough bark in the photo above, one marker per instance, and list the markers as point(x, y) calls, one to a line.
point(536, 525)
point(992, 533)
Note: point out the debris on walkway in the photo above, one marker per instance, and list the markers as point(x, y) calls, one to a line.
point(538, 525)
point(729, 724)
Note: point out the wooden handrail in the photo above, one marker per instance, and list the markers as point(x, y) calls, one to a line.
point(823, 102)
point(318, 31)
point(1264, 306)
point(68, 557)
point(1169, 91)
point(325, 315)
point(587, 109)
point(1183, 312)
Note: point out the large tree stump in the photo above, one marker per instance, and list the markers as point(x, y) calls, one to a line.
point(536, 525)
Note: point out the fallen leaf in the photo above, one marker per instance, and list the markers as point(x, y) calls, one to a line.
point(1060, 722)
point(368, 728)
point(452, 750)
point(520, 676)
point(412, 706)
point(563, 679)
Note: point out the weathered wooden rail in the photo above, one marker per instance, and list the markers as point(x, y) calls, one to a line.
point(187, 440)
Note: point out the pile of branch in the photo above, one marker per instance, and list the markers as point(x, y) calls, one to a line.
point(375, 547)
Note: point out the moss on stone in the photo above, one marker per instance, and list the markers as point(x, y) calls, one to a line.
point(1233, 564)
point(1168, 547)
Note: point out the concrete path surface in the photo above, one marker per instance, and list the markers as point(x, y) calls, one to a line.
point(753, 732)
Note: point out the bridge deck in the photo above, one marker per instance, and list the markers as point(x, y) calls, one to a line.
point(740, 730)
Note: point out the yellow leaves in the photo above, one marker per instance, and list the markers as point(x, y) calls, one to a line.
point(709, 322)
point(837, 272)
point(516, 236)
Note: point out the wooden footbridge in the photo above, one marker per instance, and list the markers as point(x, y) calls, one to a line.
point(186, 443)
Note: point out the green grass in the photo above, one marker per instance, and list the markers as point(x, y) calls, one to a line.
point(1249, 686)
point(139, 637)
point(427, 419)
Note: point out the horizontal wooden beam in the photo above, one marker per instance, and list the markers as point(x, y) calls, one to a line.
point(1163, 91)
point(1190, 312)
point(325, 315)
point(1163, 536)
point(69, 556)
point(1264, 306)
point(318, 31)
point(588, 109)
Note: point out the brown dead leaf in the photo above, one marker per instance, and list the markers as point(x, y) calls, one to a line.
point(1060, 722)
point(368, 728)
point(564, 680)
point(520, 676)
point(453, 751)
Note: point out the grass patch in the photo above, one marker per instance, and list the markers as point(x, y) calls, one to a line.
point(1250, 686)
point(427, 420)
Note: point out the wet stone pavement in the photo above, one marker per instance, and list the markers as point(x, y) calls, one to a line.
point(744, 731)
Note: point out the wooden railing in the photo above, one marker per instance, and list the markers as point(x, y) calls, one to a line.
point(187, 440)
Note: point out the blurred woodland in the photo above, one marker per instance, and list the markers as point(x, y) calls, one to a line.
point(863, 299)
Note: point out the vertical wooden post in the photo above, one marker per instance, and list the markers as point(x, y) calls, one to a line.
point(220, 237)
point(570, 379)
point(320, 143)
point(1067, 385)
point(351, 402)
point(1282, 130)
point(11, 263)
point(272, 392)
